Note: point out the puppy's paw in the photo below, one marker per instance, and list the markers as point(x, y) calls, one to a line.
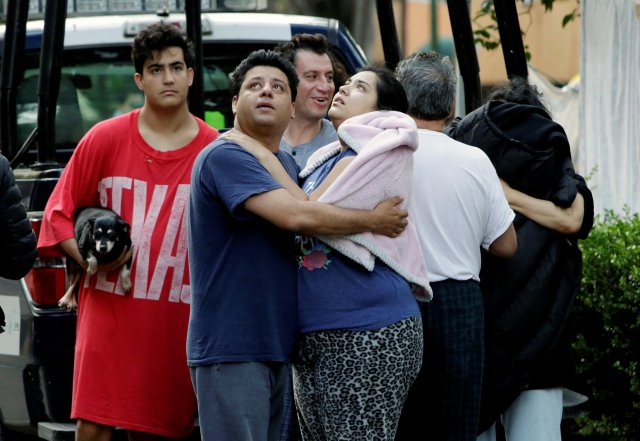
point(93, 265)
point(68, 301)
point(125, 278)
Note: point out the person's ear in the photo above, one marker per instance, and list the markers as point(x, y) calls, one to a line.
point(138, 80)
point(234, 104)
point(451, 114)
point(191, 73)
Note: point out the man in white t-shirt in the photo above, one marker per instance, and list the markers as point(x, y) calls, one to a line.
point(459, 209)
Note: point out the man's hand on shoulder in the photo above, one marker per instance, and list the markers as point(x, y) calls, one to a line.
point(389, 219)
point(251, 145)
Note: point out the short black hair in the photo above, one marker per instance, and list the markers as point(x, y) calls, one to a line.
point(157, 37)
point(264, 58)
point(391, 94)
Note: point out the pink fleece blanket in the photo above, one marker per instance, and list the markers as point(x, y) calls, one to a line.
point(385, 142)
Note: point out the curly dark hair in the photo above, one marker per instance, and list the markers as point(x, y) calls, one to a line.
point(318, 44)
point(264, 58)
point(157, 37)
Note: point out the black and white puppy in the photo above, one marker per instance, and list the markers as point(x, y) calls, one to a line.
point(102, 237)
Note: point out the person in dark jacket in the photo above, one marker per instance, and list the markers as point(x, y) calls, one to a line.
point(528, 298)
point(17, 239)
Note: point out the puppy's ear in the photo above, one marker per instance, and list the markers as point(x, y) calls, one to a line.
point(91, 222)
point(124, 225)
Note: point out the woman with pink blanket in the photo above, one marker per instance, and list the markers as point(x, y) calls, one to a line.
point(361, 333)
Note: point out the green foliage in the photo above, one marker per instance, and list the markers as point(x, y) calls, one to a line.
point(607, 320)
point(487, 35)
point(485, 24)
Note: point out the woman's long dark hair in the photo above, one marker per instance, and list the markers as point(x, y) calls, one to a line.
point(391, 94)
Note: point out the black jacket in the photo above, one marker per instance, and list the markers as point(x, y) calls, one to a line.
point(528, 297)
point(17, 239)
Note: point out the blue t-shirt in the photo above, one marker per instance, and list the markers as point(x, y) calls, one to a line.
point(243, 281)
point(334, 292)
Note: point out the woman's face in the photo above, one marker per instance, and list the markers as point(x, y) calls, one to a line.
point(357, 96)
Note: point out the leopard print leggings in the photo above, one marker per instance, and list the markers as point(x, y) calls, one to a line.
point(350, 385)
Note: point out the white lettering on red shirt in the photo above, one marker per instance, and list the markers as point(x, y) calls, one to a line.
point(173, 251)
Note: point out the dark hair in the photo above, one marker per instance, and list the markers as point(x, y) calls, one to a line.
point(518, 90)
point(318, 44)
point(391, 94)
point(430, 81)
point(157, 37)
point(264, 58)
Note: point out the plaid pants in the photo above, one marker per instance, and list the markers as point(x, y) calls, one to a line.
point(444, 402)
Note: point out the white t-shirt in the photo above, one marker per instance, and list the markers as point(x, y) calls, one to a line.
point(458, 205)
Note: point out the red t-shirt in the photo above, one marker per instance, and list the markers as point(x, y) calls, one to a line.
point(130, 361)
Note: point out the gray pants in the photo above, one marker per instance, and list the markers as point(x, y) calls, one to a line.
point(240, 401)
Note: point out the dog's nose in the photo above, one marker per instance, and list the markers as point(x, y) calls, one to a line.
point(102, 247)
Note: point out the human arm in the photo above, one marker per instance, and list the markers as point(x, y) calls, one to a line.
point(390, 168)
point(316, 218)
point(70, 247)
point(268, 160)
point(566, 221)
point(18, 242)
point(506, 244)
point(243, 185)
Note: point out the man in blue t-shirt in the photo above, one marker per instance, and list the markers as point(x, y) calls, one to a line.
point(244, 207)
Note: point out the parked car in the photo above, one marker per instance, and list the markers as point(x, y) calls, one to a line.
point(36, 352)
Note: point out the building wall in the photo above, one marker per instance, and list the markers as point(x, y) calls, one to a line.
point(554, 50)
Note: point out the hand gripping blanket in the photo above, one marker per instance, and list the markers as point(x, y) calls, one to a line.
point(384, 142)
